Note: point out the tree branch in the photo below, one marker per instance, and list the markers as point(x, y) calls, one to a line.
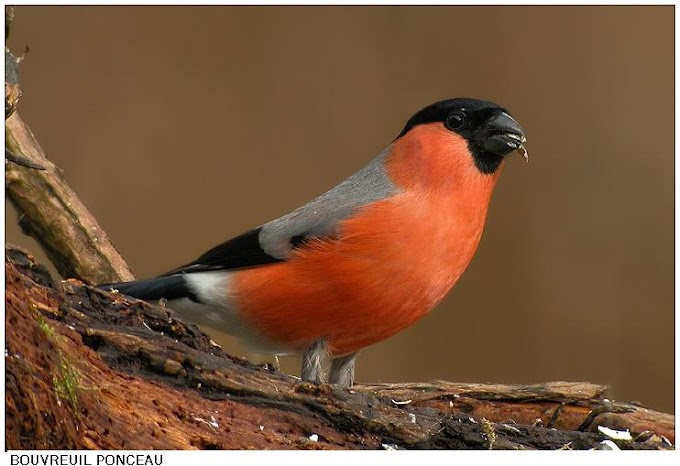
point(52, 213)
point(48, 209)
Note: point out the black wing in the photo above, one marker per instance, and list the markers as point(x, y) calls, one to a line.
point(239, 252)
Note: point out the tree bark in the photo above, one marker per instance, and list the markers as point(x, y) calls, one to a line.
point(52, 213)
point(91, 369)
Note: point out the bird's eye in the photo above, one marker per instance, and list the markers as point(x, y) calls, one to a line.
point(455, 120)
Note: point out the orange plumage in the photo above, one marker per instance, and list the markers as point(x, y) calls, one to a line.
point(392, 262)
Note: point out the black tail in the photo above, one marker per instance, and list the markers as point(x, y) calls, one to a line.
point(153, 289)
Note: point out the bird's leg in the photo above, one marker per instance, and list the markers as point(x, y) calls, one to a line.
point(342, 370)
point(313, 361)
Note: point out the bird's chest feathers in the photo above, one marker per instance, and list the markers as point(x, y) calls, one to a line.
point(424, 244)
point(438, 218)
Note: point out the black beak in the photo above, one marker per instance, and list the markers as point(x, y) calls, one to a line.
point(501, 135)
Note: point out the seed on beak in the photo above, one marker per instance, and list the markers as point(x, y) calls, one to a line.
point(524, 153)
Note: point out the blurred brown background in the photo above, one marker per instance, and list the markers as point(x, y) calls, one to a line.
point(182, 126)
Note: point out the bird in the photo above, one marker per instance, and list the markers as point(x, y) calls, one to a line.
point(364, 260)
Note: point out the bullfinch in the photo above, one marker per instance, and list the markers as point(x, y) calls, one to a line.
point(362, 261)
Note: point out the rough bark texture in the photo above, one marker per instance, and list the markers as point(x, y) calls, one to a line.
point(90, 369)
point(12, 87)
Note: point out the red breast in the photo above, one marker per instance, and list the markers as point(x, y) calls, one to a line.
point(391, 263)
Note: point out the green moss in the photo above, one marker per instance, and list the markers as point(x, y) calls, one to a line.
point(488, 433)
point(45, 327)
point(67, 383)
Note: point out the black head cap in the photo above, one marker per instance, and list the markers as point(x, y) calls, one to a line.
point(489, 129)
